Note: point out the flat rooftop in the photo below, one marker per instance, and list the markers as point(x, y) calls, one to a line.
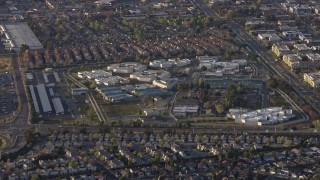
point(302, 47)
point(282, 47)
point(20, 33)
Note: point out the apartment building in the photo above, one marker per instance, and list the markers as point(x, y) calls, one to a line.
point(280, 49)
point(313, 79)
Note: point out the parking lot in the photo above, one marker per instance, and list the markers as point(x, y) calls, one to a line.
point(55, 87)
point(8, 98)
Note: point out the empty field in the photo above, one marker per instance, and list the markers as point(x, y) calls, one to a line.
point(278, 101)
point(122, 109)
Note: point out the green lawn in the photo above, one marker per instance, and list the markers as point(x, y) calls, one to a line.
point(121, 109)
point(278, 101)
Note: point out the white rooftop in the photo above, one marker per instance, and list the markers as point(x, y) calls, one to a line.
point(20, 33)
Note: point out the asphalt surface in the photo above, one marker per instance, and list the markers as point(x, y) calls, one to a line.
point(17, 127)
point(22, 117)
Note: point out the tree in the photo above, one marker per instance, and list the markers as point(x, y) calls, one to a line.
point(227, 55)
point(93, 85)
point(28, 135)
point(24, 48)
point(83, 131)
point(203, 68)
point(288, 143)
point(102, 27)
point(272, 83)
point(217, 93)
point(125, 22)
point(90, 113)
point(130, 163)
point(34, 177)
point(91, 24)
point(246, 153)
point(207, 105)
point(231, 89)
point(164, 114)
point(236, 175)
point(238, 101)
point(231, 92)
point(240, 89)
point(96, 25)
point(146, 101)
point(230, 14)
point(201, 83)
point(197, 29)
point(58, 36)
point(257, 176)
point(190, 85)
point(316, 124)
point(155, 160)
point(220, 108)
point(181, 87)
point(208, 87)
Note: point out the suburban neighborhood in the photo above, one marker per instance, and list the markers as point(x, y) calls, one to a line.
point(159, 89)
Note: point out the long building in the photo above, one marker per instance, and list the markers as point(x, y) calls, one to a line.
point(313, 79)
point(260, 117)
point(34, 99)
point(18, 34)
point(280, 49)
point(58, 106)
point(46, 106)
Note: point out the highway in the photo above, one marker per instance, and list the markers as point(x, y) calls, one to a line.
point(21, 94)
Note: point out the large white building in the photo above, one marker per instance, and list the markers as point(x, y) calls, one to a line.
point(165, 84)
point(162, 63)
point(58, 107)
point(94, 74)
point(102, 77)
point(184, 110)
point(17, 34)
point(180, 62)
point(111, 81)
point(272, 37)
point(46, 106)
point(150, 75)
point(260, 117)
point(127, 67)
point(220, 68)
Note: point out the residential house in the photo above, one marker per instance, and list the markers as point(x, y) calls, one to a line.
point(130, 156)
point(302, 48)
point(72, 153)
point(270, 37)
point(292, 60)
point(291, 34)
point(111, 160)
